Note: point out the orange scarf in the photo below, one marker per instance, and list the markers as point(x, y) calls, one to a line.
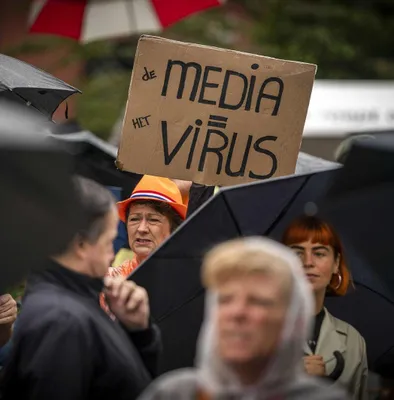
point(202, 395)
point(124, 271)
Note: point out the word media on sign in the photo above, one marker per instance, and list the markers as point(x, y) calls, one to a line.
point(250, 96)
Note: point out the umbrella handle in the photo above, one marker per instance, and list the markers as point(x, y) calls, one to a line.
point(336, 373)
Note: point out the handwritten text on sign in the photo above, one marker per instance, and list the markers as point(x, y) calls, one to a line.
point(237, 119)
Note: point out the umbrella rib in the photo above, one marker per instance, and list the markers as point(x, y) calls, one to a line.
point(169, 313)
point(286, 208)
point(132, 16)
point(373, 291)
point(31, 104)
point(238, 228)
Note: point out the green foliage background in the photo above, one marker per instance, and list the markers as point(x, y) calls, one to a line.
point(351, 39)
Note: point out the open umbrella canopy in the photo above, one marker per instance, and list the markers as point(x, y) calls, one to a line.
point(22, 83)
point(95, 158)
point(360, 206)
point(172, 274)
point(306, 163)
point(88, 20)
point(39, 211)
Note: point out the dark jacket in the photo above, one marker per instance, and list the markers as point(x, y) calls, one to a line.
point(66, 347)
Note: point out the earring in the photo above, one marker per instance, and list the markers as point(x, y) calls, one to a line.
point(339, 281)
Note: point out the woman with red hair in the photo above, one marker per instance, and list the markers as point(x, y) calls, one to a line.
point(333, 341)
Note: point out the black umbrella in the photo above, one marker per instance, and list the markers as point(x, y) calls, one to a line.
point(306, 163)
point(360, 203)
point(38, 209)
point(369, 311)
point(22, 83)
point(360, 206)
point(95, 158)
point(344, 147)
point(172, 274)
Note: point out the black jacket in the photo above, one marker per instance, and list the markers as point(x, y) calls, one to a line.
point(66, 347)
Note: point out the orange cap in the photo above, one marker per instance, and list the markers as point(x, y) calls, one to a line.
point(156, 189)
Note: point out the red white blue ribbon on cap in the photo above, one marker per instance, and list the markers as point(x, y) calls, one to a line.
point(150, 194)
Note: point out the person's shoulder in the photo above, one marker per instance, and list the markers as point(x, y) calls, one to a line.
point(308, 388)
point(49, 306)
point(180, 384)
point(347, 329)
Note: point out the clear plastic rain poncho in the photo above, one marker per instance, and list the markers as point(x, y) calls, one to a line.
point(283, 377)
point(285, 368)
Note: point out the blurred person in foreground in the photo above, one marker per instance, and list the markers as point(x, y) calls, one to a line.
point(258, 312)
point(65, 345)
point(321, 252)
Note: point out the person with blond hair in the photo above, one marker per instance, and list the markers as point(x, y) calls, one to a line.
point(258, 312)
point(333, 341)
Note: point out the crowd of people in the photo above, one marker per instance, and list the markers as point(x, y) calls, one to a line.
point(85, 330)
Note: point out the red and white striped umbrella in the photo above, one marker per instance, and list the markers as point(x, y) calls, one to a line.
point(88, 20)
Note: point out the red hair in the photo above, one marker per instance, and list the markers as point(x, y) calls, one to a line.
point(311, 228)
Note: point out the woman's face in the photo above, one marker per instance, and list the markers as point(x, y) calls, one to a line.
point(146, 229)
point(250, 316)
point(319, 263)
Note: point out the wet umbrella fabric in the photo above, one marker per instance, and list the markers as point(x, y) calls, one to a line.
point(39, 212)
point(95, 159)
point(370, 313)
point(363, 197)
point(200, 194)
point(360, 206)
point(24, 84)
point(172, 274)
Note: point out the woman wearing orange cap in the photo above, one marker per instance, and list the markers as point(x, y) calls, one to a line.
point(153, 211)
point(321, 253)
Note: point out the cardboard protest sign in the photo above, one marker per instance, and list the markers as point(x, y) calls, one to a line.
point(213, 116)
